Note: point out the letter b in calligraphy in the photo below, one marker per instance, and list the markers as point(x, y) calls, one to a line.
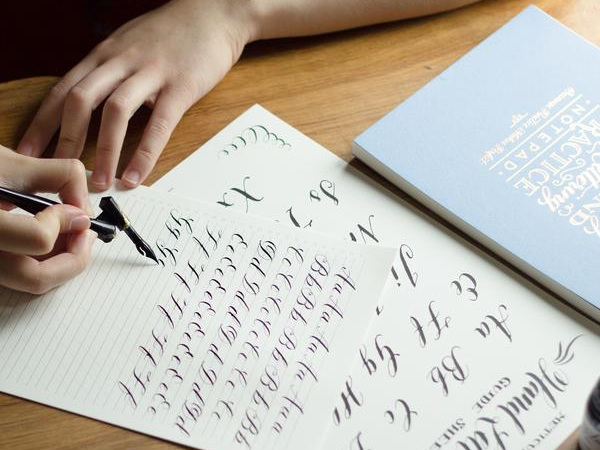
point(449, 369)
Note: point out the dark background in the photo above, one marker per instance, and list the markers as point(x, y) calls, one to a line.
point(43, 37)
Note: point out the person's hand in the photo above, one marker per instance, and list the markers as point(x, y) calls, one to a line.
point(38, 253)
point(167, 59)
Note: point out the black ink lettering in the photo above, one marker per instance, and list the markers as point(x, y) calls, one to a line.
point(450, 366)
point(369, 233)
point(243, 192)
point(295, 221)
point(385, 352)
point(328, 189)
point(350, 399)
point(406, 253)
point(499, 322)
point(405, 411)
point(466, 286)
point(356, 443)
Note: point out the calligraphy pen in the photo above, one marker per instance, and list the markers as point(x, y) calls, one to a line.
point(105, 225)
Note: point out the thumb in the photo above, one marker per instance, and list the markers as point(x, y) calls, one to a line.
point(64, 219)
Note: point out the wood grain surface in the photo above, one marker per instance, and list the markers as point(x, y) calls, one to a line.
point(329, 87)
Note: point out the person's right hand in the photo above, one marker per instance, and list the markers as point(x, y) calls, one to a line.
point(167, 59)
point(41, 252)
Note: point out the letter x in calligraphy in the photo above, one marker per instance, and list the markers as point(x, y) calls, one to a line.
point(243, 192)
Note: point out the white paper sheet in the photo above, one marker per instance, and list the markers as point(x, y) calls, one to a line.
point(234, 340)
point(464, 354)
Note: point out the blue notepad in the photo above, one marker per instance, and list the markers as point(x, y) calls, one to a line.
point(505, 144)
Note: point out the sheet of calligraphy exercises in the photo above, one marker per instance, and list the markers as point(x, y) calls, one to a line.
point(300, 301)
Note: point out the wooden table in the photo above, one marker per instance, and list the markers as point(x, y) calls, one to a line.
point(329, 87)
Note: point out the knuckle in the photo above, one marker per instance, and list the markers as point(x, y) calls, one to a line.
point(79, 97)
point(118, 105)
point(160, 128)
point(186, 82)
point(43, 240)
point(103, 49)
point(68, 140)
point(80, 265)
point(59, 90)
point(187, 86)
point(146, 153)
point(76, 169)
point(38, 283)
point(104, 150)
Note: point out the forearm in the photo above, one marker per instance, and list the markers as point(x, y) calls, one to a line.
point(283, 18)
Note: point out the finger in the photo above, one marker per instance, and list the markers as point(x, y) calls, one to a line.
point(65, 177)
point(170, 107)
point(118, 109)
point(48, 117)
point(81, 101)
point(24, 273)
point(37, 235)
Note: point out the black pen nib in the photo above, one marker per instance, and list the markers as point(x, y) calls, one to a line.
point(140, 244)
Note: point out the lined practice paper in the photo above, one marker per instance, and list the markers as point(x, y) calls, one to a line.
point(234, 340)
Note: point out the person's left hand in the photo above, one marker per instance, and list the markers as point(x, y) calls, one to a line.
point(167, 58)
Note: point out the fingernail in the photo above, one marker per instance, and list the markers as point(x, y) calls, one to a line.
point(99, 178)
point(132, 177)
point(79, 223)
